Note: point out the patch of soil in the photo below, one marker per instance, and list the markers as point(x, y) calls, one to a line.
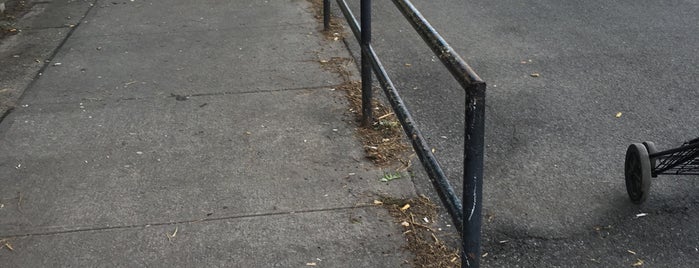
point(14, 9)
point(335, 31)
point(383, 141)
point(417, 218)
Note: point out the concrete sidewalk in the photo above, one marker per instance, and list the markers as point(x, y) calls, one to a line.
point(191, 133)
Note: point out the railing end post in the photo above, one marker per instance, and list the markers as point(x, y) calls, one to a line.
point(474, 147)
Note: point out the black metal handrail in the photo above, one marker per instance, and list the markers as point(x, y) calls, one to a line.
point(470, 227)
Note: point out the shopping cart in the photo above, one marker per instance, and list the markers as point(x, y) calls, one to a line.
point(644, 161)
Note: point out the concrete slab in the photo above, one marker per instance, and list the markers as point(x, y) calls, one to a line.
point(61, 14)
point(154, 160)
point(24, 54)
point(213, 119)
point(185, 63)
point(344, 238)
point(22, 57)
point(149, 17)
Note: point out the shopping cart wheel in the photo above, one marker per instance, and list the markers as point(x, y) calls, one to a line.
point(650, 147)
point(637, 173)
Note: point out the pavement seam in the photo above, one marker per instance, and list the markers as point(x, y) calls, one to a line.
point(264, 91)
point(225, 29)
point(233, 93)
point(146, 225)
point(46, 28)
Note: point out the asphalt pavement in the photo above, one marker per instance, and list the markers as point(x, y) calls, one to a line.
point(570, 85)
point(189, 134)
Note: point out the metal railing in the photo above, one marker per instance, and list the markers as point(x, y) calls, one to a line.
point(470, 226)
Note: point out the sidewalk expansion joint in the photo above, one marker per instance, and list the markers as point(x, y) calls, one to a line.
point(203, 220)
point(66, 26)
point(6, 113)
point(189, 32)
point(184, 97)
point(262, 91)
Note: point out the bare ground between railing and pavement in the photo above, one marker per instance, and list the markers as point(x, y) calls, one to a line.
point(385, 144)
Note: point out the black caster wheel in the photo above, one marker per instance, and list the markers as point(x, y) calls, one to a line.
point(637, 172)
point(650, 147)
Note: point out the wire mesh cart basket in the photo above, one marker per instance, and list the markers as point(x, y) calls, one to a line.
point(644, 161)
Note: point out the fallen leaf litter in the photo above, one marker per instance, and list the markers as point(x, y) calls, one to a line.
point(421, 238)
point(384, 141)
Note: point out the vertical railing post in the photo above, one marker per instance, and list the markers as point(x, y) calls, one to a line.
point(365, 11)
point(473, 175)
point(326, 15)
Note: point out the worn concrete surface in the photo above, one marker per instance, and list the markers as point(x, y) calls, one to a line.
point(229, 132)
point(25, 54)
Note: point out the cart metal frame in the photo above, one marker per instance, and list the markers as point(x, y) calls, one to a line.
point(644, 161)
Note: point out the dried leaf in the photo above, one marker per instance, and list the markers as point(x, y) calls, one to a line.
point(171, 236)
point(6, 244)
